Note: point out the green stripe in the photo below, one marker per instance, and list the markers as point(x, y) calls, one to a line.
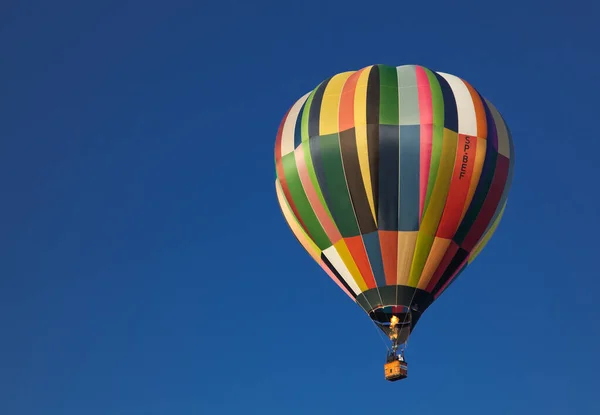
point(340, 203)
point(307, 156)
point(438, 134)
point(305, 211)
point(388, 108)
point(422, 249)
point(305, 115)
point(313, 177)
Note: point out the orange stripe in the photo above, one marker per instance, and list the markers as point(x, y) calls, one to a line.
point(389, 254)
point(476, 175)
point(481, 145)
point(346, 112)
point(479, 112)
point(359, 255)
point(459, 187)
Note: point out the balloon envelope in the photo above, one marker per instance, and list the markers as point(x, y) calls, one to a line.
point(393, 179)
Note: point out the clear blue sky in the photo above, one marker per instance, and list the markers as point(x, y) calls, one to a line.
point(145, 267)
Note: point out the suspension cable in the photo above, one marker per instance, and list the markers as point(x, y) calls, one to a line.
point(409, 312)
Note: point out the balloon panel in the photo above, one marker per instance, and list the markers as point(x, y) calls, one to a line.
point(393, 179)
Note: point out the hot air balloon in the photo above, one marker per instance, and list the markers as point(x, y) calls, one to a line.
point(393, 179)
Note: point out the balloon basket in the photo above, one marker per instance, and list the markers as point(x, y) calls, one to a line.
point(396, 370)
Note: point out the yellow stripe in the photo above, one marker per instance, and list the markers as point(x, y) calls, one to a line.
point(292, 222)
point(406, 248)
point(432, 217)
point(330, 106)
point(360, 123)
point(478, 165)
point(344, 253)
point(486, 238)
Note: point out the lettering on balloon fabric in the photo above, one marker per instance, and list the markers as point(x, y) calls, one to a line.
point(465, 158)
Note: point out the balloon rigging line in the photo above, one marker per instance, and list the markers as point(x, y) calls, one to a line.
point(406, 315)
point(375, 325)
point(378, 330)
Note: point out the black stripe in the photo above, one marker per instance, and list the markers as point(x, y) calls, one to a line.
point(314, 116)
point(373, 100)
point(450, 110)
point(458, 259)
point(354, 179)
point(337, 274)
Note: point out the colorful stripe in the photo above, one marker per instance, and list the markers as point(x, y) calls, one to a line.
point(363, 144)
point(426, 134)
point(309, 245)
point(393, 176)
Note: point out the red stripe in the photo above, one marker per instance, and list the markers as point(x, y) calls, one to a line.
point(426, 114)
point(389, 254)
point(489, 205)
point(346, 114)
point(359, 255)
point(279, 138)
point(459, 187)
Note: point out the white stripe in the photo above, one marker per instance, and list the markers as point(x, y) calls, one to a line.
point(503, 139)
point(408, 95)
point(287, 136)
point(467, 118)
point(337, 262)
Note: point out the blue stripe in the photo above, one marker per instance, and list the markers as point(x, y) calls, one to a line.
point(371, 241)
point(410, 159)
point(298, 127)
point(389, 147)
point(450, 110)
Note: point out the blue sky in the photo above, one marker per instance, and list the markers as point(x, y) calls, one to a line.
point(145, 267)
